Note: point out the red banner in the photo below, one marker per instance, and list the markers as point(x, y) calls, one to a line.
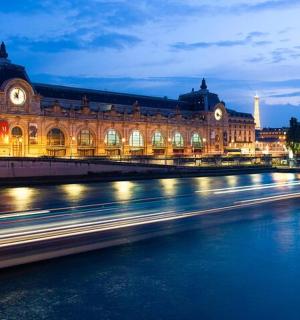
point(4, 131)
point(4, 128)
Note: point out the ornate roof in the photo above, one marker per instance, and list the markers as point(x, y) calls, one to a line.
point(10, 71)
point(70, 93)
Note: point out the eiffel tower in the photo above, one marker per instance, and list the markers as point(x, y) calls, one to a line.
point(256, 112)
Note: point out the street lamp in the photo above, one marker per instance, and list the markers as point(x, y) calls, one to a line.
point(123, 142)
point(71, 146)
point(204, 142)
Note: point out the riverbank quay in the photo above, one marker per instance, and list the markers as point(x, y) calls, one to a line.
point(39, 171)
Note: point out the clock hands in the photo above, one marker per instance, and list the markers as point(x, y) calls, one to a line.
point(17, 96)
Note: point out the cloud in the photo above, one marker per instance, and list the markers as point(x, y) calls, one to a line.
point(250, 39)
point(256, 59)
point(286, 95)
point(76, 42)
point(283, 54)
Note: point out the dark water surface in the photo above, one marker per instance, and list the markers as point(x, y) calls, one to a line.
point(246, 269)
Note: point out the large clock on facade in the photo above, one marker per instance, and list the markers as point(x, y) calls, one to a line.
point(17, 96)
point(218, 114)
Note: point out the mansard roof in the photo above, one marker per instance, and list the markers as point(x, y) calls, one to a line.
point(10, 71)
point(194, 98)
point(71, 93)
point(234, 113)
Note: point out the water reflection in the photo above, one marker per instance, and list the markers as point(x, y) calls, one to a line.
point(22, 197)
point(74, 192)
point(123, 190)
point(232, 181)
point(282, 177)
point(204, 183)
point(256, 178)
point(169, 186)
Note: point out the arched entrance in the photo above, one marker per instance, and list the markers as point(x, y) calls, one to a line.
point(196, 143)
point(158, 143)
point(178, 143)
point(86, 143)
point(136, 143)
point(17, 142)
point(56, 143)
point(112, 143)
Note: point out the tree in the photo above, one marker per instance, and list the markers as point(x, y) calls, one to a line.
point(293, 136)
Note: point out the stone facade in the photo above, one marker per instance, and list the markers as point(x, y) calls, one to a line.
point(38, 120)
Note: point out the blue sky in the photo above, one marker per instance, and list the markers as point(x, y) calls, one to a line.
point(164, 48)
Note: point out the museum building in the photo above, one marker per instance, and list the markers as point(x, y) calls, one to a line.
point(52, 120)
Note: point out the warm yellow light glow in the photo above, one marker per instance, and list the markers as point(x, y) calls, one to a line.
point(232, 180)
point(124, 190)
point(6, 139)
point(22, 197)
point(204, 183)
point(74, 191)
point(256, 178)
point(169, 186)
point(277, 176)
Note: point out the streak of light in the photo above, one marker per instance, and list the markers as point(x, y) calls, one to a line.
point(87, 228)
point(25, 213)
point(258, 187)
point(253, 186)
point(269, 199)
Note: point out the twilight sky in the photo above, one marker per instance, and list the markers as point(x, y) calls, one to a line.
point(164, 48)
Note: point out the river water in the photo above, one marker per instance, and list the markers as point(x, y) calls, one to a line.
point(245, 268)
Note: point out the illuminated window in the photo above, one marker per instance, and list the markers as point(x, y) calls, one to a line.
point(177, 140)
point(136, 139)
point(16, 132)
point(157, 139)
point(112, 138)
point(55, 137)
point(196, 141)
point(85, 138)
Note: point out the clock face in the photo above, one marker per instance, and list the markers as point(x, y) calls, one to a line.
point(218, 114)
point(17, 96)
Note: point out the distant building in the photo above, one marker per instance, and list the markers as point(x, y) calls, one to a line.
point(271, 141)
point(43, 119)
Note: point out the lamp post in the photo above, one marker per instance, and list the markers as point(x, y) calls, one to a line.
point(169, 142)
point(123, 142)
point(72, 138)
point(204, 142)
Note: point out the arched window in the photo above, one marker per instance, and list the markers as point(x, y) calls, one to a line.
point(136, 139)
point(177, 140)
point(16, 132)
point(55, 137)
point(85, 138)
point(196, 141)
point(17, 141)
point(157, 139)
point(112, 138)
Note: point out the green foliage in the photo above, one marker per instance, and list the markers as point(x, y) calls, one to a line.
point(293, 136)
